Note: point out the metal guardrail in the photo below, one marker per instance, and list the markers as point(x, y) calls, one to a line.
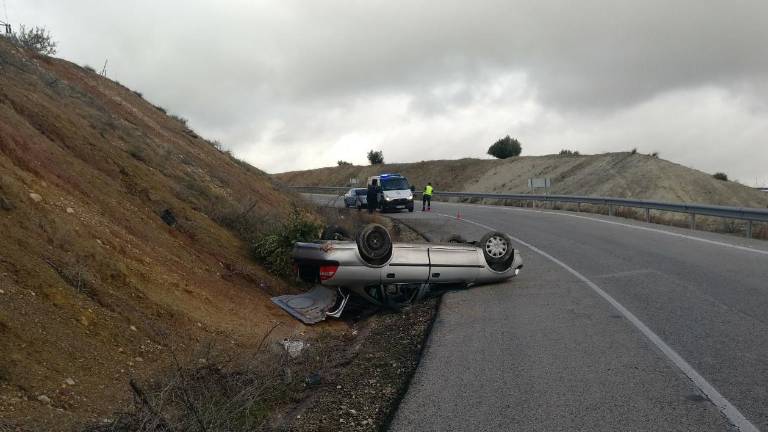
point(747, 214)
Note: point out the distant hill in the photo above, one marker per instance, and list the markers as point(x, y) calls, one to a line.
point(112, 244)
point(610, 174)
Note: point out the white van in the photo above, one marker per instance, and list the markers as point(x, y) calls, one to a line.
point(396, 193)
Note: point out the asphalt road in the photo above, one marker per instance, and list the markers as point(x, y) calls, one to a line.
point(611, 325)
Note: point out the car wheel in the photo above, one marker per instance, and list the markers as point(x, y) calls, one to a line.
point(374, 244)
point(497, 248)
point(335, 232)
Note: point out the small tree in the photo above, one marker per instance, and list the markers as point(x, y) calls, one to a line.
point(566, 152)
point(720, 176)
point(505, 147)
point(343, 163)
point(375, 157)
point(37, 39)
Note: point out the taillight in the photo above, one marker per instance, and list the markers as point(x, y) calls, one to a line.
point(295, 268)
point(328, 271)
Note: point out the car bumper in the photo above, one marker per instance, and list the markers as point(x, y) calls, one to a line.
point(398, 204)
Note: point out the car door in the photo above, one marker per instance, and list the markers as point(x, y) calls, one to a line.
point(453, 264)
point(409, 264)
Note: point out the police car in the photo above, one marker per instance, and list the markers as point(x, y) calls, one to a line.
point(396, 193)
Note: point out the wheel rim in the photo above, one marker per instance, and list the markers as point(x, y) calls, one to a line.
point(496, 246)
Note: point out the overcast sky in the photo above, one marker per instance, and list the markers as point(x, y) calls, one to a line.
point(301, 84)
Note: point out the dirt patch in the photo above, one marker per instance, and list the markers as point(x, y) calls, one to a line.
point(363, 394)
point(90, 272)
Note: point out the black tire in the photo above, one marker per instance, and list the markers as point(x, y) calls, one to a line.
point(410, 209)
point(374, 244)
point(497, 248)
point(335, 232)
point(455, 238)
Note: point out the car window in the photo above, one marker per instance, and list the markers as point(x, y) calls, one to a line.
point(394, 184)
point(361, 191)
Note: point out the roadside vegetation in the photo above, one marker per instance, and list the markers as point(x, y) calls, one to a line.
point(566, 152)
point(36, 39)
point(375, 157)
point(505, 148)
point(273, 247)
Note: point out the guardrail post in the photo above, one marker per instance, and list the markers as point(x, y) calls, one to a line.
point(610, 209)
point(692, 219)
point(749, 229)
point(648, 215)
point(578, 207)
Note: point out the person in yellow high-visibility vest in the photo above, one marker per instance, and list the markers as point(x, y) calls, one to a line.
point(426, 198)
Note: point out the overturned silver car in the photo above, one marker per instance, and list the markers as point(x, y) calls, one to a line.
point(391, 274)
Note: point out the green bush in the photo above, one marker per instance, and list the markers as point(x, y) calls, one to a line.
point(375, 157)
point(720, 176)
point(505, 147)
point(343, 163)
point(179, 119)
point(566, 152)
point(36, 39)
point(273, 248)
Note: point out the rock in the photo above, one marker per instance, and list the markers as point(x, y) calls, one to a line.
point(169, 218)
point(70, 210)
point(2, 292)
point(294, 347)
point(313, 379)
point(69, 381)
point(35, 197)
point(44, 399)
point(5, 204)
point(132, 328)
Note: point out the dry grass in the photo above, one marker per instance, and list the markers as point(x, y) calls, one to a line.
point(222, 392)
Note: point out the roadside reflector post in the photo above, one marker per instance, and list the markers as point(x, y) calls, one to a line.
point(610, 209)
point(749, 229)
point(648, 215)
point(578, 207)
point(692, 219)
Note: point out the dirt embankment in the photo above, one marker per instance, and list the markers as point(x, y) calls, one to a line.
point(115, 244)
point(625, 175)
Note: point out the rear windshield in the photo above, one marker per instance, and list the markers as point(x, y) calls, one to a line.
point(397, 183)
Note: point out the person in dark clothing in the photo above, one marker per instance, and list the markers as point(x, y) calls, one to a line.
point(373, 195)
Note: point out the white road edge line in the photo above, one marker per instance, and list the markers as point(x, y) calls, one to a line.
point(639, 227)
point(729, 411)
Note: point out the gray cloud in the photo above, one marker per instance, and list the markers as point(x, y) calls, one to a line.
point(330, 79)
